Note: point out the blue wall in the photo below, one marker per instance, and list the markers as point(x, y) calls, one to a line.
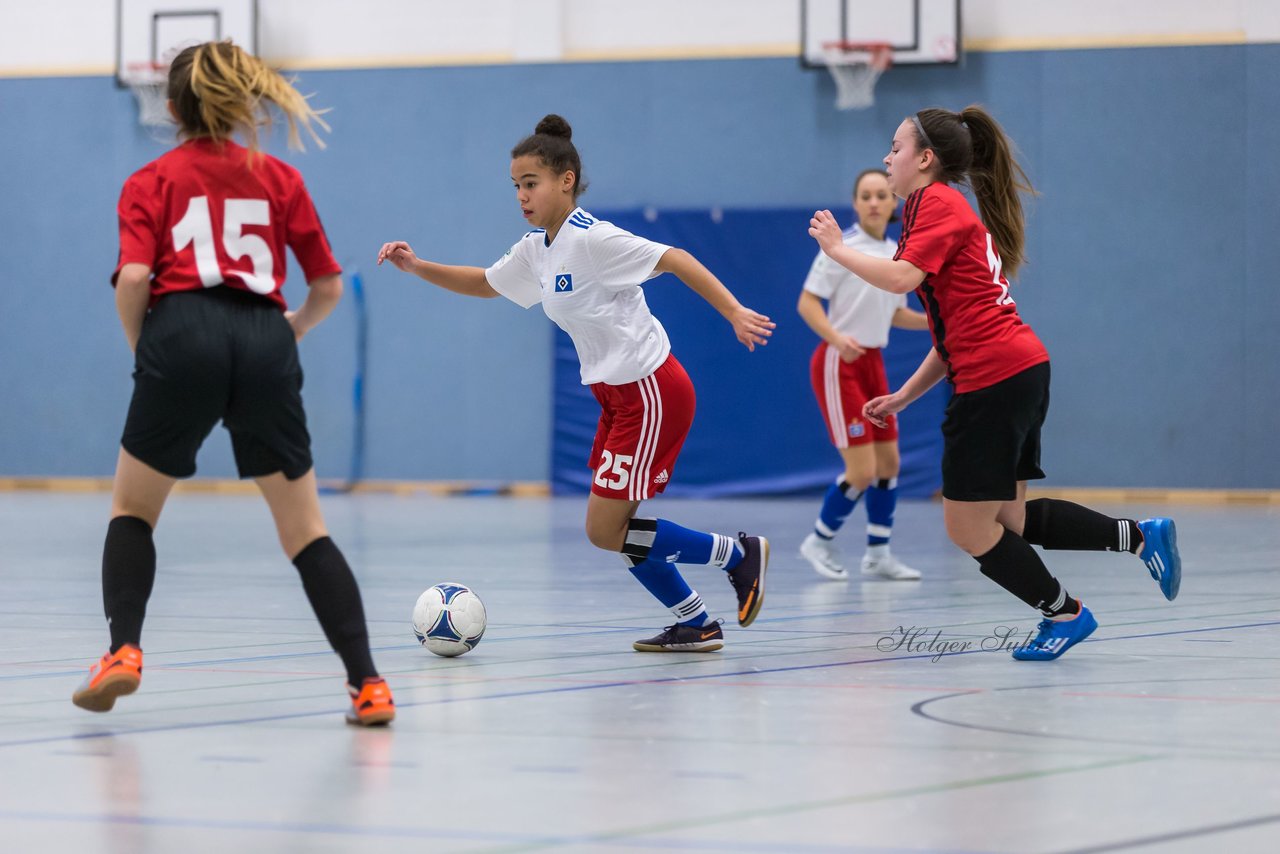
point(1152, 250)
point(758, 428)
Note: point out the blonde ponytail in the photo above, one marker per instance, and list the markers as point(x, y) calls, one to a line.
point(218, 89)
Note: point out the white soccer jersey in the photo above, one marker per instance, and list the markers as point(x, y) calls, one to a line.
point(855, 308)
point(588, 281)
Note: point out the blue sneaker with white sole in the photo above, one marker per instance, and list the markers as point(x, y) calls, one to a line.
point(1057, 636)
point(1160, 554)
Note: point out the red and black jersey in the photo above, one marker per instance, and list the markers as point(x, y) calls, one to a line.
point(975, 324)
point(204, 215)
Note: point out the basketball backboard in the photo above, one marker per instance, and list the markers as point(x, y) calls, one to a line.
point(922, 32)
point(153, 31)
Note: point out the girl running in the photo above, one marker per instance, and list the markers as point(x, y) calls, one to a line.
point(847, 371)
point(587, 275)
point(203, 231)
point(959, 264)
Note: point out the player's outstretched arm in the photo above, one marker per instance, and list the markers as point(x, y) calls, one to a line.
point(750, 327)
point(469, 281)
point(899, 277)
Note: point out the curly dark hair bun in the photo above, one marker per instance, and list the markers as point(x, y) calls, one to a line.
point(552, 143)
point(553, 125)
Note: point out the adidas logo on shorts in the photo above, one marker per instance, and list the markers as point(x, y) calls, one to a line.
point(662, 477)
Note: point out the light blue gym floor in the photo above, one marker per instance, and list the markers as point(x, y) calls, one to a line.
point(815, 730)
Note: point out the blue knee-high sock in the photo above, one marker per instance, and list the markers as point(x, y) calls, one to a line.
point(837, 504)
point(673, 544)
point(668, 586)
point(882, 499)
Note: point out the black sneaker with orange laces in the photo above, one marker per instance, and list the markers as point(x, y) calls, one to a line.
point(680, 638)
point(747, 577)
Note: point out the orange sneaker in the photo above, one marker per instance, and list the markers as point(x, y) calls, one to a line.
point(372, 704)
point(116, 674)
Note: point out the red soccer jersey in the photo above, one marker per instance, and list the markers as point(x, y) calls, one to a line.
point(201, 215)
point(975, 324)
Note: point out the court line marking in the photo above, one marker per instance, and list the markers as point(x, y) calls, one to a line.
point(468, 675)
point(76, 665)
point(919, 710)
point(524, 842)
point(1144, 841)
point(739, 816)
point(559, 690)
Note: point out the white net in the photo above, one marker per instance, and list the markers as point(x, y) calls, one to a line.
point(149, 84)
point(855, 69)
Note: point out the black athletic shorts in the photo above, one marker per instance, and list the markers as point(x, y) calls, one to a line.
point(218, 354)
point(991, 437)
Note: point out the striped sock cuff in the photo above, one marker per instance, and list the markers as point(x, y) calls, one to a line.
point(640, 535)
point(1058, 603)
point(722, 550)
point(689, 608)
point(850, 491)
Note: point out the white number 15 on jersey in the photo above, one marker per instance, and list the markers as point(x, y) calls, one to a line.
point(196, 227)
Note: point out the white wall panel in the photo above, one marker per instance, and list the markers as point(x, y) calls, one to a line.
point(597, 28)
point(78, 36)
point(65, 35)
point(1015, 24)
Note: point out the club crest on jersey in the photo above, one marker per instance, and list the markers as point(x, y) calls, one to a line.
point(564, 283)
point(856, 429)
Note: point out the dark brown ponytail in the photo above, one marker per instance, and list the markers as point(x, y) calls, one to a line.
point(972, 148)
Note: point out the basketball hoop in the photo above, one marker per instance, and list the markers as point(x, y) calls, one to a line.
point(855, 67)
point(149, 82)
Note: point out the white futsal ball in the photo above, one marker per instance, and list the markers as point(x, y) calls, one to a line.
point(449, 619)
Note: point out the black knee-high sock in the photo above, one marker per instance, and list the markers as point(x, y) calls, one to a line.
point(1056, 524)
point(335, 597)
point(1016, 567)
point(128, 574)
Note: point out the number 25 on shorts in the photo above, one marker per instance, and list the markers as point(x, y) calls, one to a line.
point(619, 466)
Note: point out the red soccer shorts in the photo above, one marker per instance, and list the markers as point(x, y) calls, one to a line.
point(642, 427)
point(843, 388)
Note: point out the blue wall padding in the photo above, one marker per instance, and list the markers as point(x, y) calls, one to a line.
point(758, 429)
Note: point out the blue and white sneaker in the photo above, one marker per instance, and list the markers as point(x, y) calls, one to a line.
point(1160, 554)
point(1057, 636)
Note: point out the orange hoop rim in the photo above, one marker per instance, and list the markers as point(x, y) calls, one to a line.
point(145, 72)
point(880, 53)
